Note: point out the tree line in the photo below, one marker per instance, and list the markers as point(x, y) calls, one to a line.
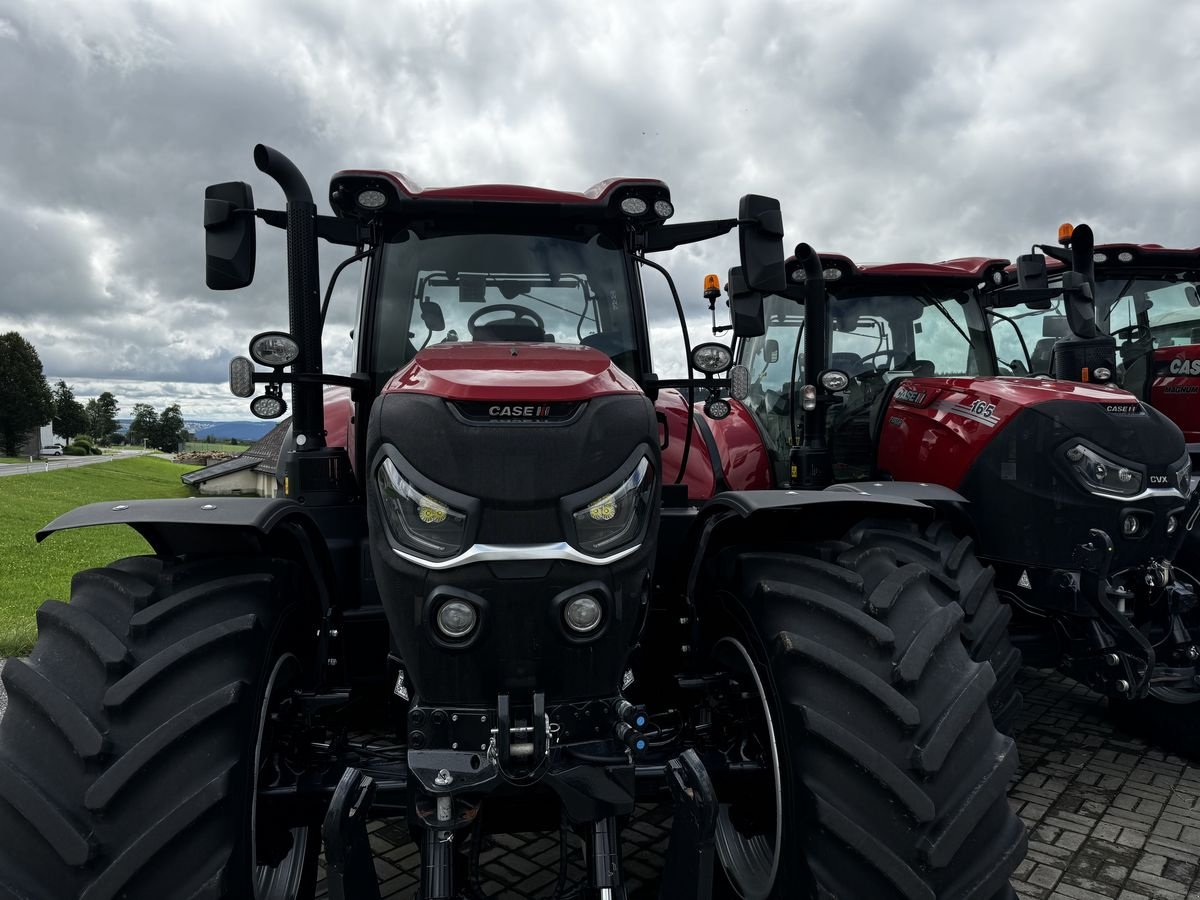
point(28, 402)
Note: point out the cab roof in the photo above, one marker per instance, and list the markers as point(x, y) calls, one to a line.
point(951, 275)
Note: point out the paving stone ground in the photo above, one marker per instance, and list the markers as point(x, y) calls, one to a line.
point(1109, 818)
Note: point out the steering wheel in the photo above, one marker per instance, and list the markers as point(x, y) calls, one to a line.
point(520, 315)
point(891, 357)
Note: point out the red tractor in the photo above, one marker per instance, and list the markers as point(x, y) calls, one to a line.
point(1076, 495)
point(516, 582)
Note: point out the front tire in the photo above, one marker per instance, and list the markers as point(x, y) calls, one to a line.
point(128, 752)
point(891, 776)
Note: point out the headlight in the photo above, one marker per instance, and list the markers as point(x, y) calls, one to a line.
point(1101, 475)
point(421, 521)
point(1183, 476)
point(711, 358)
point(616, 518)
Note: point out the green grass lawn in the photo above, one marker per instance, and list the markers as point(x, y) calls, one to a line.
point(31, 572)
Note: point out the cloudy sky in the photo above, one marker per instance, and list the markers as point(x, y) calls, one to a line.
point(889, 130)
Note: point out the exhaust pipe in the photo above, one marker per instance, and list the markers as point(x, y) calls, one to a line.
point(304, 300)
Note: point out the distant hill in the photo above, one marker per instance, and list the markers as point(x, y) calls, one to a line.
point(224, 431)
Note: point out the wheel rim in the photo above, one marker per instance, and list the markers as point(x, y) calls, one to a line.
point(751, 860)
point(281, 882)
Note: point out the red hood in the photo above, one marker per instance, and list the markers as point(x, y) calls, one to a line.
point(512, 371)
point(1025, 391)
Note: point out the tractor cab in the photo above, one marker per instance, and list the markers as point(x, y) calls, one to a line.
point(886, 323)
point(1147, 297)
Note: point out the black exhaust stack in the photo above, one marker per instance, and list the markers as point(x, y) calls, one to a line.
point(304, 298)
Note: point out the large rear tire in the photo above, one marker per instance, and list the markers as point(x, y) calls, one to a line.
point(889, 778)
point(951, 559)
point(129, 751)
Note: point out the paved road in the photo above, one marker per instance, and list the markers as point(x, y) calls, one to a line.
point(54, 463)
point(1110, 818)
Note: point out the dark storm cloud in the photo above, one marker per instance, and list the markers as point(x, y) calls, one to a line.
point(889, 130)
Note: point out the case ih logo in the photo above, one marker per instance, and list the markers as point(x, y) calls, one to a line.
point(1181, 366)
point(491, 413)
point(1123, 409)
point(906, 394)
point(519, 412)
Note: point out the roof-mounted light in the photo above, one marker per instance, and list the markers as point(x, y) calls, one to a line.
point(634, 206)
point(371, 199)
point(1100, 257)
point(1125, 256)
point(663, 209)
point(833, 273)
point(1065, 230)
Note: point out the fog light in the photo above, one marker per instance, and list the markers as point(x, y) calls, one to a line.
point(1124, 476)
point(1172, 524)
point(583, 614)
point(456, 618)
point(1130, 526)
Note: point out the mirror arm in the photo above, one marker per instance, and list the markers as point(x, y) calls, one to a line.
point(357, 383)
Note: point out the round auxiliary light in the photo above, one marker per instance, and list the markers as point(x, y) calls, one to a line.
point(663, 209)
point(711, 358)
point(583, 614)
point(372, 199)
point(833, 273)
point(716, 408)
point(1130, 526)
point(268, 407)
point(456, 619)
point(633, 206)
point(1172, 524)
point(1125, 256)
point(798, 275)
point(1124, 476)
point(1099, 257)
point(274, 348)
point(997, 277)
point(241, 377)
point(1102, 373)
point(833, 380)
point(1075, 454)
point(1100, 470)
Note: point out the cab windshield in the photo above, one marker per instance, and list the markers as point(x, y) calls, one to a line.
point(1169, 309)
point(502, 287)
point(875, 340)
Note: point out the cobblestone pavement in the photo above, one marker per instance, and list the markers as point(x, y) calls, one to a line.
point(1109, 818)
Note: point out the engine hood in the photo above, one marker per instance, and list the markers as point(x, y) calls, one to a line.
point(1019, 391)
point(511, 372)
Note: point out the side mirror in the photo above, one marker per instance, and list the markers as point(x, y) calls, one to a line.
point(771, 351)
point(745, 306)
point(1031, 272)
point(1192, 298)
point(228, 236)
point(431, 315)
point(760, 243)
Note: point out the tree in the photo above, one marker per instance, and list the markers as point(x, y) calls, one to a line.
point(102, 417)
point(70, 418)
point(144, 426)
point(25, 399)
point(171, 430)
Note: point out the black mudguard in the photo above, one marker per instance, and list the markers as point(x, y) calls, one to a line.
point(217, 525)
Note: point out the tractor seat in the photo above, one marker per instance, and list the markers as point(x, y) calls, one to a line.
point(1043, 353)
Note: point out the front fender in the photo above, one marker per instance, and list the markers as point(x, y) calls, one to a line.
point(217, 525)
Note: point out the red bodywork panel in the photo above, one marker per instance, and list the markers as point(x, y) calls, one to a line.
point(1175, 388)
point(745, 463)
point(934, 428)
point(513, 372)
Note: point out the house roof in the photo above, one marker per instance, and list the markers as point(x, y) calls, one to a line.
point(262, 456)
